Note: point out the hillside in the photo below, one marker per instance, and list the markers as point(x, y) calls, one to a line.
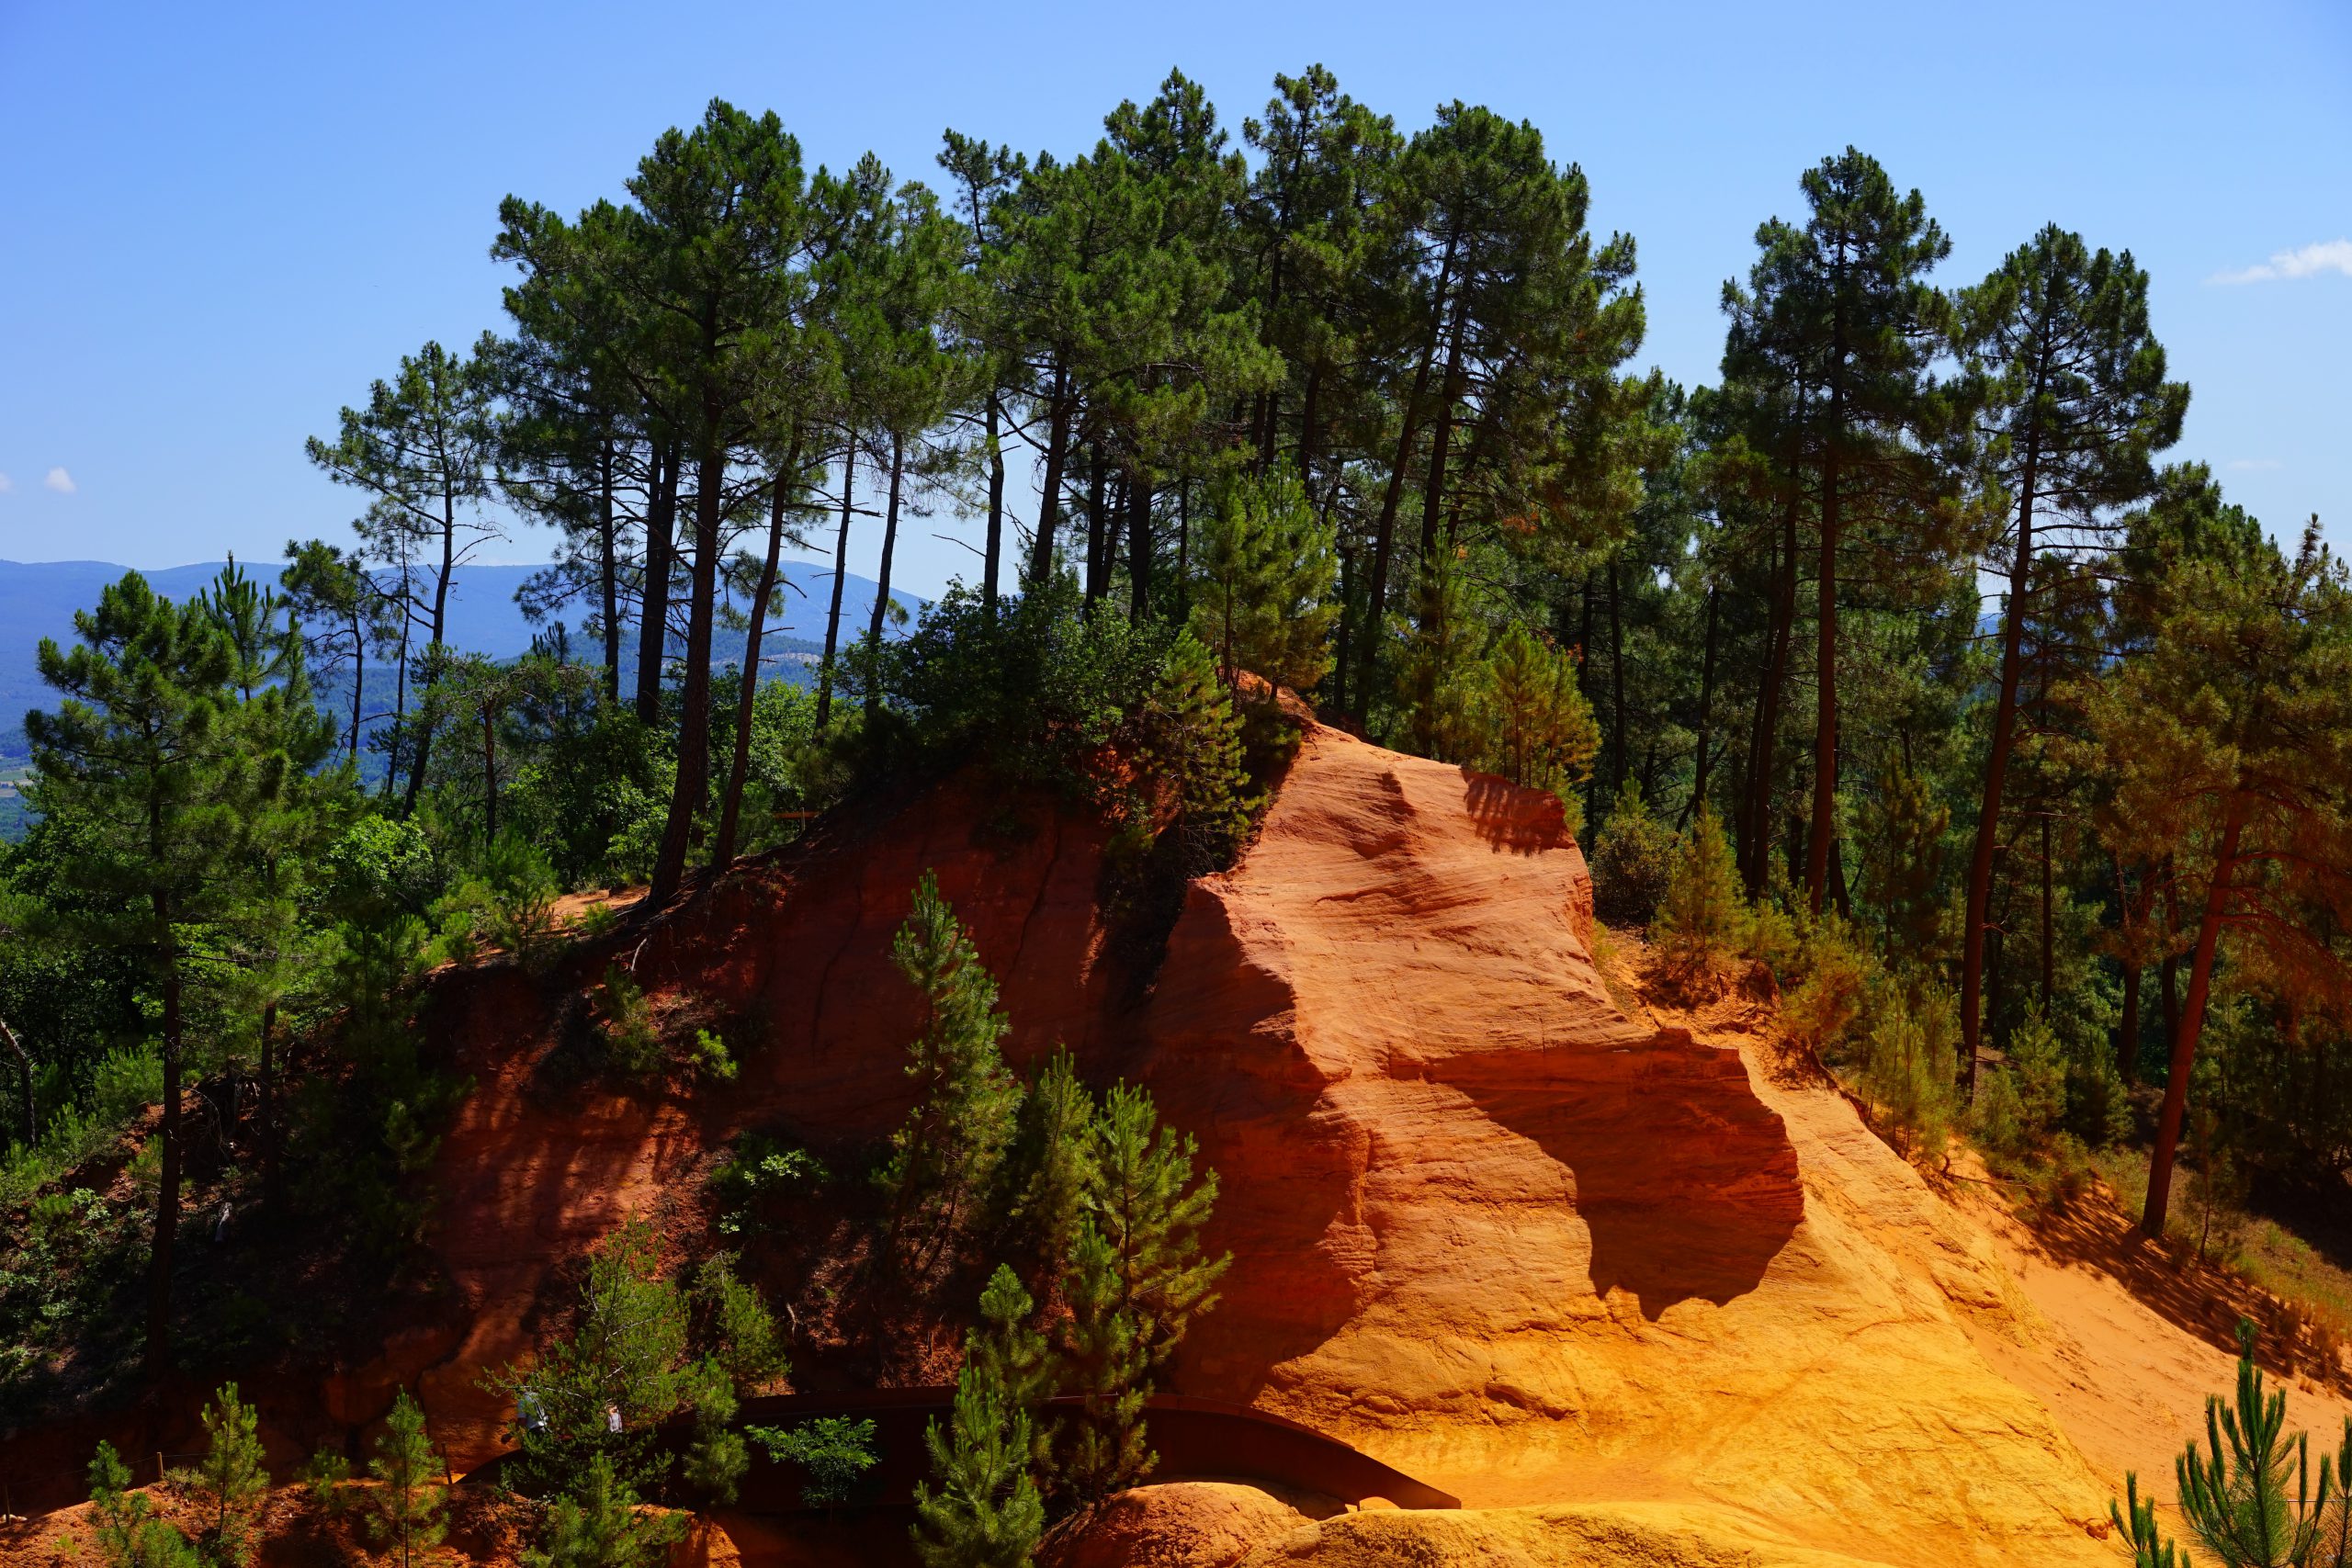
point(1636, 1288)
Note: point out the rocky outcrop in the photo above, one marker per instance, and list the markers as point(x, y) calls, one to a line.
point(1486, 1227)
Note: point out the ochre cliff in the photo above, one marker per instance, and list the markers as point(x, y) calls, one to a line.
point(1628, 1293)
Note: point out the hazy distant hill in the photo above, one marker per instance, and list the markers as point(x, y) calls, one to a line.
point(37, 599)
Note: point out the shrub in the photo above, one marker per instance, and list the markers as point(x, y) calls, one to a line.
point(1631, 858)
point(600, 1526)
point(1539, 732)
point(832, 1451)
point(1701, 913)
point(624, 1026)
point(1261, 592)
point(128, 1536)
point(1907, 1060)
point(761, 1167)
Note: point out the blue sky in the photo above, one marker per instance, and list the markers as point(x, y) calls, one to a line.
point(218, 223)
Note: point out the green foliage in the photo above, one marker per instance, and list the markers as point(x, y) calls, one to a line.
point(506, 900)
point(1908, 1062)
point(1191, 745)
point(327, 1475)
point(2136, 1522)
point(1539, 732)
point(944, 1156)
point(599, 1524)
point(1438, 676)
point(1261, 592)
point(987, 1512)
point(129, 1535)
point(598, 1393)
point(1136, 1282)
point(1701, 912)
point(2247, 1497)
point(711, 1057)
point(1034, 686)
point(631, 1039)
point(738, 1329)
point(1633, 858)
point(1050, 1165)
point(228, 1484)
point(834, 1452)
point(759, 1169)
point(406, 1507)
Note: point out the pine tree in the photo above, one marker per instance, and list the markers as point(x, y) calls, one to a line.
point(2248, 1498)
point(1051, 1166)
point(1136, 1282)
point(1435, 677)
point(2077, 403)
point(1261, 598)
point(422, 449)
point(599, 1524)
point(128, 1536)
point(987, 1512)
point(2222, 745)
point(1539, 731)
point(230, 1484)
point(145, 757)
point(1839, 310)
point(405, 1508)
point(945, 1155)
point(1191, 742)
point(1699, 916)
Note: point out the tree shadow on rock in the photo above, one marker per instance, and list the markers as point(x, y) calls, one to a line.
point(1686, 1181)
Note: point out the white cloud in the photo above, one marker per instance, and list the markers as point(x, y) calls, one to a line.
point(2306, 261)
point(58, 480)
point(2253, 465)
point(7, 484)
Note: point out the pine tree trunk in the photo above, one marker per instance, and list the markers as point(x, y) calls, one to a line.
point(1706, 706)
point(1384, 536)
point(1823, 827)
point(1624, 759)
point(1098, 552)
point(1049, 497)
point(882, 575)
point(167, 1189)
point(1780, 640)
point(2048, 917)
point(739, 766)
point(272, 1187)
point(2192, 1023)
point(653, 612)
point(1138, 543)
point(841, 573)
point(989, 568)
point(1997, 769)
point(694, 719)
point(490, 773)
point(608, 561)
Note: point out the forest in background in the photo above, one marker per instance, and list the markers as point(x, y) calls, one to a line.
point(1900, 663)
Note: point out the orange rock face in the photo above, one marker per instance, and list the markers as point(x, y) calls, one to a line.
point(1485, 1226)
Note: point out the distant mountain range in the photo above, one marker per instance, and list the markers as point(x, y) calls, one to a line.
point(37, 599)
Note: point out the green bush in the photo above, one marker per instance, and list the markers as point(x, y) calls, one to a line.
point(834, 1452)
point(1907, 1059)
point(1700, 915)
point(624, 1026)
point(1632, 858)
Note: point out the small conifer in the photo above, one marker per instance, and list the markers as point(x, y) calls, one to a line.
point(598, 1525)
point(405, 1508)
point(228, 1484)
point(1698, 914)
point(128, 1536)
